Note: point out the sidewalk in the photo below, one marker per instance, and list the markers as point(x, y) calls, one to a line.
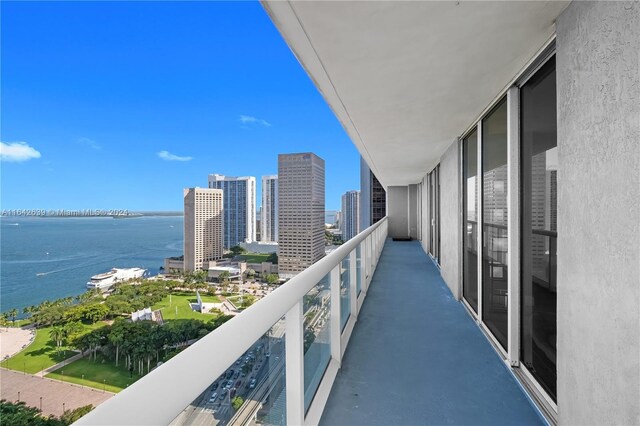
point(46, 394)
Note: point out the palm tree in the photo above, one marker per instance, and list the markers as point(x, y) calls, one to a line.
point(3, 319)
point(13, 313)
point(58, 334)
point(116, 338)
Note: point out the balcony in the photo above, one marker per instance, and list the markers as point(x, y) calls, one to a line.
point(417, 357)
point(298, 357)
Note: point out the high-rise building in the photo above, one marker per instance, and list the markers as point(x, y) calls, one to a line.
point(240, 207)
point(373, 197)
point(269, 212)
point(300, 212)
point(350, 214)
point(203, 226)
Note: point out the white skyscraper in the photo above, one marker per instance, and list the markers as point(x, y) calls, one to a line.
point(269, 211)
point(350, 224)
point(239, 207)
point(300, 212)
point(203, 226)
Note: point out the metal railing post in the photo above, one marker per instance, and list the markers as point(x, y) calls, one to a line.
point(352, 284)
point(335, 319)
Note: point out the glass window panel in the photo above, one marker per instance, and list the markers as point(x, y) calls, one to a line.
point(345, 292)
point(470, 219)
point(539, 225)
point(250, 392)
point(317, 337)
point(494, 222)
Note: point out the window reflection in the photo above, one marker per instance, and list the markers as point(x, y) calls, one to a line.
point(539, 225)
point(470, 221)
point(494, 222)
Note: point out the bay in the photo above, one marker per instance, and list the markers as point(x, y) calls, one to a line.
point(50, 258)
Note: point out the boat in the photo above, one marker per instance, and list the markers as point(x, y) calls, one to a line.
point(105, 280)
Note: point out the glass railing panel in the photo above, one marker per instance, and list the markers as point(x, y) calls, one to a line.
point(358, 269)
point(251, 391)
point(345, 291)
point(317, 336)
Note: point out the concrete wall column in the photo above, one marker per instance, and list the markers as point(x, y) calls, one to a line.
point(598, 94)
point(450, 222)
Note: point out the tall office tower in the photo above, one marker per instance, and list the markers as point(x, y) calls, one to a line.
point(203, 226)
point(269, 214)
point(350, 214)
point(259, 224)
point(239, 207)
point(300, 212)
point(373, 197)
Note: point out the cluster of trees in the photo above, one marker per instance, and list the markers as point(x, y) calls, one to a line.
point(91, 307)
point(18, 413)
point(332, 239)
point(137, 344)
point(53, 312)
point(130, 298)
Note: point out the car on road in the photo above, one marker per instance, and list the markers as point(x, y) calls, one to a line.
point(213, 397)
point(252, 384)
point(215, 386)
point(222, 395)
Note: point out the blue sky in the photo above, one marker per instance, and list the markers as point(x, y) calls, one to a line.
point(121, 105)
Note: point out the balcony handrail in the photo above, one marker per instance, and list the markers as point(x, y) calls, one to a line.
point(160, 396)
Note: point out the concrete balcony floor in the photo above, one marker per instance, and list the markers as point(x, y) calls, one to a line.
point(416, 357)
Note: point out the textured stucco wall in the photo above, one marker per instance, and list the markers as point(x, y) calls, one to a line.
point(424, 217)
point(397, 210)
point(450, 206)
point(413, 211)
point(598, 213)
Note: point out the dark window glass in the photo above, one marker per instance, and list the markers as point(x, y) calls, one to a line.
point(494, 222)
point(539, 231)
point(470, 219)
point(434, 213)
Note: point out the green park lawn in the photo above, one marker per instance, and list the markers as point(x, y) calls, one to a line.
point(254, 257)
point(41, 353)
point(100, 374)
point(182, 302)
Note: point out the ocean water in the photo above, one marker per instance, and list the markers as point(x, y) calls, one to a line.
point(50, 258)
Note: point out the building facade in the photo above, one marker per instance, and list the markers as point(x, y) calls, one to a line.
point(351, 214)
point(300, 212)
point(240, 207)
point(269, 210)
point(203, 227)
point(373, 197)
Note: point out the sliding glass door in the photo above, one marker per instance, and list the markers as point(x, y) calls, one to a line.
point(494, 222)
point(539, 212)
point(515, 301)
point(433, 182)
point(470, 219)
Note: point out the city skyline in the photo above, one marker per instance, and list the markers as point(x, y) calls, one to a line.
point(123, 108)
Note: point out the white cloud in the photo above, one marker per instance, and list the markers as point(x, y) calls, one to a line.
point(247, 119)
point(166, 155)
point(17, 152)
point(89, 142)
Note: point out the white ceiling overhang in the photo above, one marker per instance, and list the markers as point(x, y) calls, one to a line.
point(406, 78)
